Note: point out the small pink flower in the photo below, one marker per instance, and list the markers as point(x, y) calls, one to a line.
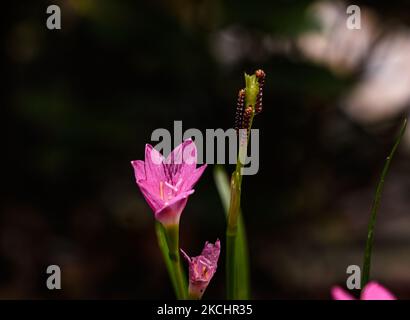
point(372, 291)
point(166, 183)
point(202, 268)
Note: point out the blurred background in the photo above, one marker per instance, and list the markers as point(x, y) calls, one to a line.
point(81, 102)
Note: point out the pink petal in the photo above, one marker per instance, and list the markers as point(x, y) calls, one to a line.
point(193, 178)
point(340, 294)
point(211, 251)
point(374, 291)
point(185, 155)
point(154, 170)
point(154, 202)
point(170, 213)
point(202, 268)
point(185, 255)
point(139, 170)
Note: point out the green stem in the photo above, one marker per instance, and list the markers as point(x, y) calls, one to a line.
point(375, 208)
point(230, 265)
point(163, 245)
point(252, 88)
point(193, 296)
point(241, 247)
point(172, 236)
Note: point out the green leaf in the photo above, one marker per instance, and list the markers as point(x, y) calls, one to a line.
point(375, 208)
point(222, 184)
point(242, 287)
point(242, 262)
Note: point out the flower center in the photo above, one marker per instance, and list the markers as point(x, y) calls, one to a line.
point(168, 190)
point(203, 269)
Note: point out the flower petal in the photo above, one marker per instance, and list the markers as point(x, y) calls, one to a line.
point(193, 178)
point(154, 202)
point(139, 170)
point(202, 268)
point(340, 294)
point(154, 170)
point(185, 255)
point(185, 155)
point(374, 291)
point(211, 251)
point(170, 213)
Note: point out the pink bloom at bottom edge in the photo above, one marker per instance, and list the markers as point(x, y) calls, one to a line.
point(372, 291)
point(202, 268)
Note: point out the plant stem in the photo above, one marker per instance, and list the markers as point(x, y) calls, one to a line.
point(251, 91)
point(172, 235)
point(230, 265)
point(241, 247)
point(375, 208)
point(163, 245)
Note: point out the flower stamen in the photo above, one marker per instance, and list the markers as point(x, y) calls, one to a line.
point(161, 190)
point(174, 188)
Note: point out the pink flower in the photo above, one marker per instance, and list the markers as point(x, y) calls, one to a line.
point(202, 268)
point(166, 183)
point(372, 291)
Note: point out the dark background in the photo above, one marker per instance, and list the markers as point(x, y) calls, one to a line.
point(81, 102)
